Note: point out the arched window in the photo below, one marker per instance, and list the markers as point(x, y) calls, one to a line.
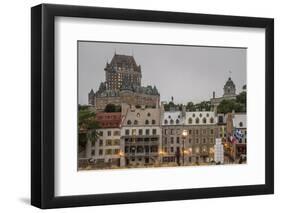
point(240, 124)
point(148, 114)
point(207, 114)
point(165, 121)
point(190, 120)
point(193, 115)
point(211, 120)
point(153, 121)
point(138, 115)
point(200, 115)
point(146, 122)
point(129, 122)
point(204, 120)
point(135, 122)
point(197, 120)
point(177, 121)
point(171, 121)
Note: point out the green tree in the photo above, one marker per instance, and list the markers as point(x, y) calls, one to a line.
point(190, 106)
point(87, 127)
point(242, 98)
point(227, 106)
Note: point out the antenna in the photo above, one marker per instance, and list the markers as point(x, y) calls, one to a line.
point(230, 72)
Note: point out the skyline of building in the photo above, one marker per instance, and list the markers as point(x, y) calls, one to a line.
point(198, 71)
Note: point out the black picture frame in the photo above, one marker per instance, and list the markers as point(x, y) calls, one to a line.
point(43, 117)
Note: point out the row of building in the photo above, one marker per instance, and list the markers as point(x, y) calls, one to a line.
point(152, 136)
point(144, 134)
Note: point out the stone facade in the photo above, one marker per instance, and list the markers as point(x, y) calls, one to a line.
point(123, 85)
point(141, 135)
point(229, 93)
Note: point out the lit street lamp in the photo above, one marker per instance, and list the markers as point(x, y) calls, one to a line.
point(184, 135)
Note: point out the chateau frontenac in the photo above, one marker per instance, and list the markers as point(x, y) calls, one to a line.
point(123, 85)
point(145, 134)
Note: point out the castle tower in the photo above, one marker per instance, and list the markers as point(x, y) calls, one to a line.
point(121, 70)
point(229, 88)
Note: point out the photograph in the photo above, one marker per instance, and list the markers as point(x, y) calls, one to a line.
point(160, 105)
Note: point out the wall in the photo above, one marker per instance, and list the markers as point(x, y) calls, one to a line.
point(15, 105)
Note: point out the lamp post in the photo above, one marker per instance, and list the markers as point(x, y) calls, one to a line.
point(184, 134)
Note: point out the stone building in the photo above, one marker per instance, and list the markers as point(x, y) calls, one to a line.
point(229, 93)
point(188, 137)
point(123, 85)
point(172, 137)
point(141, 135)
point(202, 130)
point(107, 151)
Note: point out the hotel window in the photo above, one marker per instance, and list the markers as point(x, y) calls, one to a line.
point(211, 120)
point(134, 131)
point(172, 131)
point(135, 122)
point(204, 131)
point(154, 131)
point(147, 131)
point(101, 143)
point(197, 120)
point(116, 151)
point(172, 140)
point(211, 131)
point(108, 142)
point(190, 132)
point(171, 121)
point(204, 140)
point(153, 121)
point(108, 133)
point(165, 140)
point(165, 121)
point(101, 133)
point(177, 121)
point(127, 132)
point(116, 133)
point(197, 131)
point(108, 151)
point(178, 139)
point(204, 120)
point(148, 114)
point(146, 122)
point(116, 142)
point(140, 131)
point(172, 149)
point(197, 140)
point(129, 122)
point(190, 140)
point(166, 131)
point(190, 120)
point(100, 152)
point(93, 152)
point(240, 124)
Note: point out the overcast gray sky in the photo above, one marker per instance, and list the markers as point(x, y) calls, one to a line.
point(188, 73)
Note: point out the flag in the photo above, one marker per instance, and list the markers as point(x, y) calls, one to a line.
point(238, 134)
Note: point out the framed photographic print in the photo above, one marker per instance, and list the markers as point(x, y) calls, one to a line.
point(139, 106)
